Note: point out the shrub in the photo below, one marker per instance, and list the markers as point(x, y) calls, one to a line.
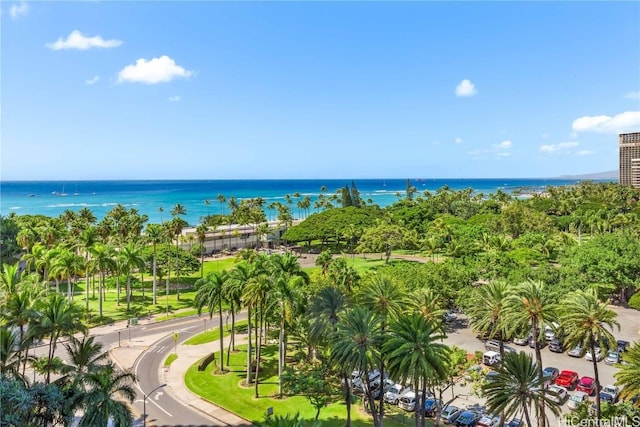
point(634, 301)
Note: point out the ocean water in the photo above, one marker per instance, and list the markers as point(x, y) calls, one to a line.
point(51, 198)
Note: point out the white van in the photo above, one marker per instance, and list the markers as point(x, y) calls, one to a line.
point(491, 358)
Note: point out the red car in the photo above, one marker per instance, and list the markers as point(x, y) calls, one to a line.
point(586, 384)
point(567, 379)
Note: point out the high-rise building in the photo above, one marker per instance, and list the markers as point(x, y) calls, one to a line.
point(630, 159)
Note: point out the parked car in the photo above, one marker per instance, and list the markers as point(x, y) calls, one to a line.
point(549, 333)
point(610, 393)
point(408, 401)
point(576, 399)
point(587, 384)
point(393, 394)
point(623, 346)
point(567, 379)
point(431, 406)
point(467, 419)
point(551, 373)
point(556, 346)
point(450, 414)
point(557, 394)
point(576, 351)
point(509, 349)
point(489, 420)
point(541, 343)
point(492, 345)
point(490, 377)
point(598, 355)
point(516, 422)
point(376, 389)
point(491, 358)
point(612, 358)
point(522, 340)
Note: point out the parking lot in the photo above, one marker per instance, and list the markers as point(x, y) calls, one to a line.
point(463, 337)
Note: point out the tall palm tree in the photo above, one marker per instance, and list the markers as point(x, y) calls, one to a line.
point(106, 388)
point(356, 346)
point(175, 227)
point(10, 358)
point(201, 232)
point(415, 355)
point(517, 387)
point(288, 280)
point(628, 377)
point(103, 261)
point(155, 234)
point(588, 322)
point(210, 294)
point(132, 259)
point(530, 305)
point(67, 265)
point(382, 295)
point(255, 297)
point(84, 242)
point(19, 311)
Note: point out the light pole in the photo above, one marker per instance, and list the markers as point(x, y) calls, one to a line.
point(144, 404)
point(205, 324)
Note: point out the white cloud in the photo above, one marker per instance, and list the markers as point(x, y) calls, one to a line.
point(585, 152)
point(633, 95)
point(628, 120)
point(92, 80)
point(504, 145)
point(562, 146)
point(77, 40)
point(174, 98)
point(16, 10)
point(156, 70)
point(466, 88)
point(458, 140)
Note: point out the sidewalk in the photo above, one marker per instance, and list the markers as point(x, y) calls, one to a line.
point(128, 352)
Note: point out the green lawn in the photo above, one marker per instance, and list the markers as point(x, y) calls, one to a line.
point(229, 392)
point(214, 334)
point(170, 359)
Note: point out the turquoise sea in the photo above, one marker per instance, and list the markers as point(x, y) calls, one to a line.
point(51, 198)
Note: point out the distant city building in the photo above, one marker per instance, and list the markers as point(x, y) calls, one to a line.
point(630, 159)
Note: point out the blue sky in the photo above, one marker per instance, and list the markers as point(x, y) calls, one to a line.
point(217, 90)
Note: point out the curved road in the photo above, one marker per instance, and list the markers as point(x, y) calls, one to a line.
point(162, 408)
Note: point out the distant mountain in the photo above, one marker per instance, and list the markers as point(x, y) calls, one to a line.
point(612, 175)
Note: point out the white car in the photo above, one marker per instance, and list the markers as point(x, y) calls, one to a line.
point(522, 340)
point(489, 420)
point(598, 355)
point(393, 394)
point(557, 394)
point(576, 399)
point(408, 401)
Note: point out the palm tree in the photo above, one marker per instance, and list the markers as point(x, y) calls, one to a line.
point(86, 355)
point(10, 359)
point(84, 242)
point(415, 355)
point(19, 311)
point(629, 374)
point(211, 295)
point(56, 317)
point(131, 257)
point(383, 296)
point(103, 261)
point(155, 234)
point(288, 280)
point(323, 260)
point(516, 387)
point(587, 322)
point(356, 346)
point(106, 387)
point(255, 297)
point(491, 318)
point(201, 232)
point(531, 306)
point(176, 226)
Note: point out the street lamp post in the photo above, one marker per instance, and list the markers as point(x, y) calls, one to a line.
point(205, 324)
point(144, 404)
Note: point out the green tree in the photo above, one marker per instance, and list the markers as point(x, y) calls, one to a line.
point(211, 295)
point(516, 387)
point(106, 390)
point(155, 234)
point(491, 318)
point(588, 322)
point(416, 355)
point(628, 377)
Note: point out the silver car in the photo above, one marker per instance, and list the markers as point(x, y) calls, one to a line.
point(450, 414)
